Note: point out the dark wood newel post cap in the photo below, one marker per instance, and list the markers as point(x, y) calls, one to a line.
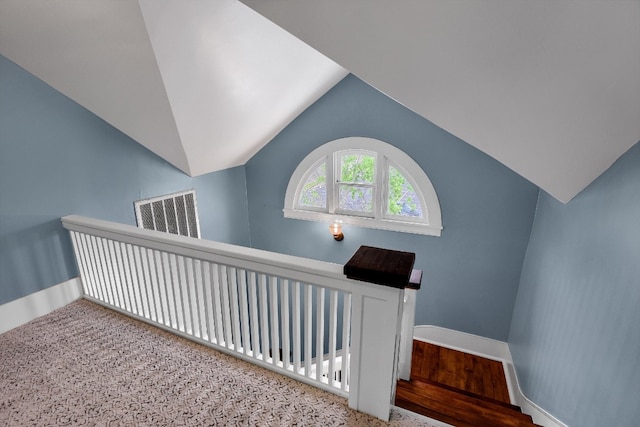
point(384, 267)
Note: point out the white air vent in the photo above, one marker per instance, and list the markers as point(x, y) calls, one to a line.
point(175, 213)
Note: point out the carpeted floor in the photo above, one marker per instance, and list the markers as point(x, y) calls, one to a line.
point(87, 365)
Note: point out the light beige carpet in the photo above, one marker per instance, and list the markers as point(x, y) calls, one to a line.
point(87, 365)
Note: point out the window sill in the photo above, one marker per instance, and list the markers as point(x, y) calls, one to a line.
point(381, 224)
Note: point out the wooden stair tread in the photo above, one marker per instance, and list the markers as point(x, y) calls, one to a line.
point(418, 381)
point(456, 408)
point(459, 370)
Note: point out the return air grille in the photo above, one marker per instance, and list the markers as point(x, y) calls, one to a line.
point(175, 213)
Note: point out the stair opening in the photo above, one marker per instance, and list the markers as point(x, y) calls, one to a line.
point(458, 388)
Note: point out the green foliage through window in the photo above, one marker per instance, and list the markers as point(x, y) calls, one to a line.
point(357, 168)
point(314, 190)
point(403, 199)
point(357, 176)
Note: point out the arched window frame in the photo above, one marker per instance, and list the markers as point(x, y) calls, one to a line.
point(386, 154)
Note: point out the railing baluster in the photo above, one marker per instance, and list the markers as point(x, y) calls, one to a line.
point(284, 324)
point(175, 291)
point(264, 317)
point(197, 286)
point(158, 266)
point(96, 243)
point(273, 311)
point(137, 263)
point(122, 275)
point(255, 322)
point(85, 259)
point(215, 317)
point(131, 278)
point(211, 283)
point(102, 289)
point(152, 284)
point(206, 297)
point(107, 269)
point(146, 282)
point(180, 283)
point(217, 305)
point(111, 265)
point(226, 315)
point(346, 339)
point(93, 264)
point(333, 320)
point(244, 312)
point(319, 333)
point(308, 334)
point(82, 264)
point(188, 286)
point(297, 322)
point(235, 311)
point(166, 281)
point(142, 280)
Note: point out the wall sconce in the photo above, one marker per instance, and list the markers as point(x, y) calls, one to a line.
point(336, 231)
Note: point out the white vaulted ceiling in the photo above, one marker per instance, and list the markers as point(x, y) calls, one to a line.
point(203, 84)
point(550, 89)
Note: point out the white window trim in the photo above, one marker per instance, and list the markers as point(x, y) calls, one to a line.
point(430, 225)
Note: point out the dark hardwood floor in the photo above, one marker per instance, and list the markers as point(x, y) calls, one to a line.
point(458, 388)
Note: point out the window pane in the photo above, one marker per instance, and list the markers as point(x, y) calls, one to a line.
point(357, 168)
point(356, 198)
point(403, 200)
point(314, 191)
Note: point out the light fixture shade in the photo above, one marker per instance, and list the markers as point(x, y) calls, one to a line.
point(336, 230)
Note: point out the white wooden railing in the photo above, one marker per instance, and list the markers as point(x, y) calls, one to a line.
point(300, 317)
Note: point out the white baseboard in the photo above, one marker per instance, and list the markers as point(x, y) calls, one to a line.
point(25, 309)
point(469, 343)
point(539, 415)
point(490, 349)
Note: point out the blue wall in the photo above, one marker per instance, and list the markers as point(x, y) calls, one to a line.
point(57, 158)
point(471, 272)
point(575, 336)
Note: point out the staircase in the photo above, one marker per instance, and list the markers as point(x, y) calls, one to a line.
point(459, 389)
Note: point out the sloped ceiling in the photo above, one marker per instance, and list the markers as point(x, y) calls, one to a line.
point(203, 84)
point(550, 89)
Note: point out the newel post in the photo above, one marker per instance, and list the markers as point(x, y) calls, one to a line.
point(376, 312)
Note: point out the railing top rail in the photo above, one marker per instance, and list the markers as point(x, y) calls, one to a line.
point(287, 266)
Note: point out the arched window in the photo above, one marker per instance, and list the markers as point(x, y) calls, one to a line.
point(364, 182)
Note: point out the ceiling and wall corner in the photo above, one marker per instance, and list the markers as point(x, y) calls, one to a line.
point(550, 89)
point(98, 54)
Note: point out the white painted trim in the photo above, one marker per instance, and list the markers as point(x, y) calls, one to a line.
point(490, 349)
point(469, 343)
point(430, 225)
point(30, 307)
point(538, 414)
point(377, 223)
point(406, 334)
